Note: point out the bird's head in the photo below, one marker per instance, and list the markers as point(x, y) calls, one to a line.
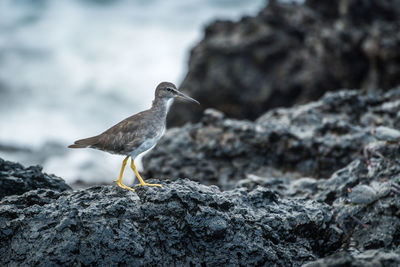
point(168, 90)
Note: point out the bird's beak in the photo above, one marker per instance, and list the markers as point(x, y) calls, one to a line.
point(180, 95)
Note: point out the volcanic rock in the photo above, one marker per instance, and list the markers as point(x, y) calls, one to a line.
point(370, 258)
point(16, 180)
point(182, 223)
point(292, 53)
point(365, 196)
point(312, 140)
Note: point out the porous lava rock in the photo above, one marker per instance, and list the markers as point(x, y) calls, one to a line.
point(311, 140)
point(292, 53)
point(16, 180)
point(182, 223)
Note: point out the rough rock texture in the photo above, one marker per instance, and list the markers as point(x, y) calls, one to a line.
point(349, 136)
point(16, 180)
point(369, 214)
point(312, 222)
point(278, 214)
point(183, 223)
point(370, 258)
point(365, 196)
point(292, 53)
point(312, 140)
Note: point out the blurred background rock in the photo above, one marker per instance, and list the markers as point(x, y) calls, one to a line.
point(293, 53)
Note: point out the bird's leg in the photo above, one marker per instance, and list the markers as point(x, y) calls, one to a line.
point(119, 180)
point(142, 183)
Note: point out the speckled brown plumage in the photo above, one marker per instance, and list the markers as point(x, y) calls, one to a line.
point(128, 134)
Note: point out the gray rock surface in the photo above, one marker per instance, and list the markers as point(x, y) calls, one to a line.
point(279, 213)
point(348, 136)
point(292, 53)
point(370, 221)
point(16, 180)
point(365, 196)
point(312, 140)
point(184, 223)
point(370, 258)
point(181, 224)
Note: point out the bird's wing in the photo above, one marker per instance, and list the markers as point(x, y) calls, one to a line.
point(125, 135)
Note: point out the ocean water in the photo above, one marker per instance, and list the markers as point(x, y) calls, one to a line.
point(70, 69)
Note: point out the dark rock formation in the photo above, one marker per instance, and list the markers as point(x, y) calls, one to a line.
point(292, 53)
point(181, 224)
point(369, 258)
point(16, 180)
point(368, 215)
point(270, 218)
point(185, 223)
point(314, 140)
point(351, 136)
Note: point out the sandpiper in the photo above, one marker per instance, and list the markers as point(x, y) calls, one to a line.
point(138, 133)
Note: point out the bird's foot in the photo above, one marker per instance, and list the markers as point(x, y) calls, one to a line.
point(147, 184)
point(124, 186)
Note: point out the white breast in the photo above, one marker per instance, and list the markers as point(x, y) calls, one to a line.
point(147, 145)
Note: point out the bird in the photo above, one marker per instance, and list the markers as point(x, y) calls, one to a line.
point(137, 133)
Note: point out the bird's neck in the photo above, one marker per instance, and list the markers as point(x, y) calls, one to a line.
point(162, 105)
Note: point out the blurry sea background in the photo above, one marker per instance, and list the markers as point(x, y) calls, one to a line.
point(70, 69)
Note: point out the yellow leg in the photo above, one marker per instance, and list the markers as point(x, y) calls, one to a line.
point(142, 183)
point(119, 180)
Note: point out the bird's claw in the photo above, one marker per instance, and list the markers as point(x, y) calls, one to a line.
point(124, 186)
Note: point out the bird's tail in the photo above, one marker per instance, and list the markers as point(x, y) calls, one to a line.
point(82, 143)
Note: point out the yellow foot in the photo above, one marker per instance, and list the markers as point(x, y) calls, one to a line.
point(146, 184)
point(123, 186)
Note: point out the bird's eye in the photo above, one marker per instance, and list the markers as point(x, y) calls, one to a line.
point(169, 89)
